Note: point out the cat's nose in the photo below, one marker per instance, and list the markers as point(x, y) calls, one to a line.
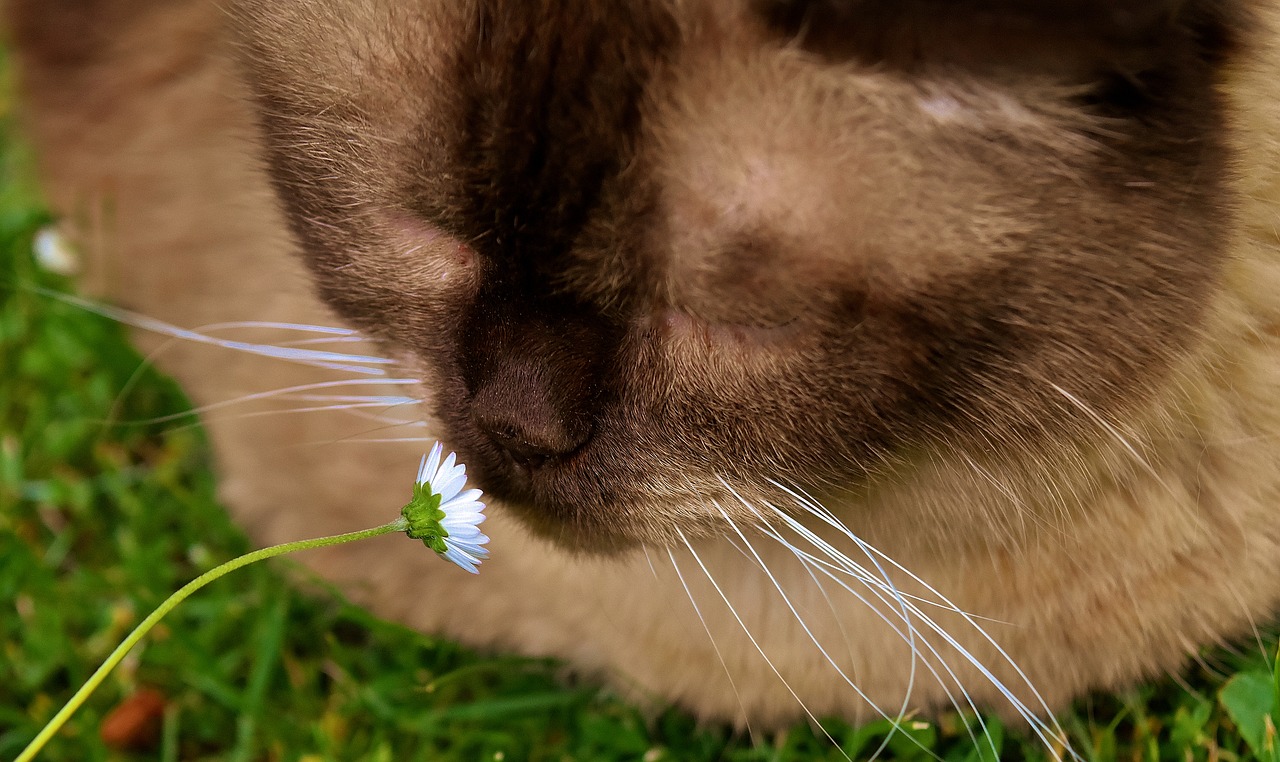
point(534, 372)
point(528, 417)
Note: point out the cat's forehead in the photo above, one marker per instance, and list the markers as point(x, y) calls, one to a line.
point(615, 145)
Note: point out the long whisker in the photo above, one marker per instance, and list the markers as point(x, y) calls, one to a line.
point(350, 363)
point(356, 409)
point(331, 330)
point(865, 577)
point(376, 399)
point(323, 340)
point(880, 590)
point(1115, 432)
point(278, 393)
point(356, 440)
point(846, 565)
point(649, 559)
point(1044, 730)
point(895, 721)
point(747, 631)
point(881, 587)
point(332, 334)
point(359, 437)
point(733, 685)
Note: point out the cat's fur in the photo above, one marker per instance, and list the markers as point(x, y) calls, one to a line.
point(997, 281)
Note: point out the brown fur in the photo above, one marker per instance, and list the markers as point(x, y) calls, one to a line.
point(1013, 317)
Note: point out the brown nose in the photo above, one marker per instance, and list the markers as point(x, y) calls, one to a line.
point(533, 380)
point(523, 410)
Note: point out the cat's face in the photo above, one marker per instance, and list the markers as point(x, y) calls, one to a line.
point(649, 254)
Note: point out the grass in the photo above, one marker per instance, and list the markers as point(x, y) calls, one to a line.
point(98, 524)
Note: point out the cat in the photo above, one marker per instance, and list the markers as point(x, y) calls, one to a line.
point(838, 357)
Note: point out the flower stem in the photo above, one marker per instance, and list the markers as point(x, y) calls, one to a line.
point(170, 603)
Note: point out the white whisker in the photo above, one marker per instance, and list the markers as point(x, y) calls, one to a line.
point(878, 586)
point(1115, 432)
point(323, 340)
point(895, 721)
point(356, 409)
point(349, 363)
point(282, 393)
point(714, 646)
point(879, 589)
point(371, 399)
point(649, 560)
point(747, 631)
point(333, 334)
point(336, 331)
point(1044, 730)
point(357, 440)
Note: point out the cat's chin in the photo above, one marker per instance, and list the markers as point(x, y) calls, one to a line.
point(608, 530)
point(575, 531)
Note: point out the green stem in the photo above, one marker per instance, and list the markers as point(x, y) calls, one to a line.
point(139, 632)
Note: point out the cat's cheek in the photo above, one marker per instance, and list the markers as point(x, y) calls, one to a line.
point(430, 260)
point(686, 333)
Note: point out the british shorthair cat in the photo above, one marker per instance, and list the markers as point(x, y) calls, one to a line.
point(835, 356)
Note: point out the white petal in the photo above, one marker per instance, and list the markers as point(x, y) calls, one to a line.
point(460, 521)
point(447, 465)
point(458, 515)
point(461, 505)
point(464, 534)
point(474, 552)
point(457, 472)
point(470, 496)
point(427, 472)
point(449, 488)
point(462, 559)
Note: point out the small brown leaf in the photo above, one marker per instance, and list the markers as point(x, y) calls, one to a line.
point(135, 722)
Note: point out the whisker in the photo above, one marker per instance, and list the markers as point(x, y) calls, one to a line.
point(649, 559)
point(879, 589)
point(356, 409)
point(359, 436)
point(848, 566)
point(332, 330)
point(372, 399)
point(714, 646)
point(355, 440)
point(878, 586)
point(334, 334)
point(1042, 728)
point(279, 393)
point(747, 631)
point(895, 721)
point(324, 340)
point(1115, 432)
point(351, 363)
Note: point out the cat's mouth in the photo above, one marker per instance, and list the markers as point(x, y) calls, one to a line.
point(594, 503)
point(564, 500)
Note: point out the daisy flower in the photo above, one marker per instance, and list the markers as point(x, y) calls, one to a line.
point(444, 517)
point(440, 514)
